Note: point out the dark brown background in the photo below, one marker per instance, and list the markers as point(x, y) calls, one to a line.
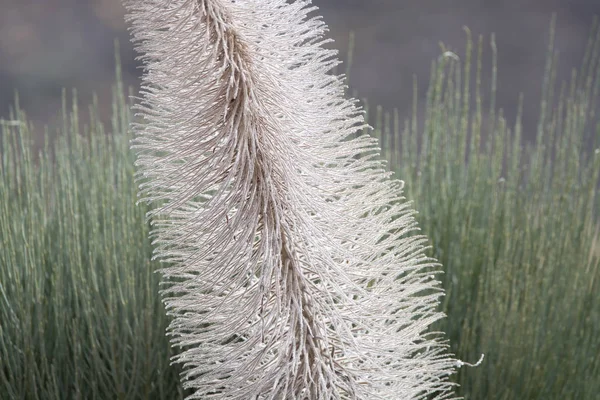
point(49, 44)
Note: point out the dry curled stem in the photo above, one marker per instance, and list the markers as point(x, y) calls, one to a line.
point(290, 272)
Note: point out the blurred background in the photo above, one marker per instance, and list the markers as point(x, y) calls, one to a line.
point(46, 45)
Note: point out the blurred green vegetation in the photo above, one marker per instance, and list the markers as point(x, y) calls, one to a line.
point(515, 227)
point(80, 314)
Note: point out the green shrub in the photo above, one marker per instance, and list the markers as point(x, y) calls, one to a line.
point(80, 315)
point(516, 228)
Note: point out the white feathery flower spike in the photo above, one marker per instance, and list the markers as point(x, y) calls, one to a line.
point(290, 273)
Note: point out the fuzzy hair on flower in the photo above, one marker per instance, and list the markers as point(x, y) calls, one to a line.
point(291, 268)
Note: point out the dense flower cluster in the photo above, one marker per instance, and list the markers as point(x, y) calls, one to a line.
point(291, 273)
